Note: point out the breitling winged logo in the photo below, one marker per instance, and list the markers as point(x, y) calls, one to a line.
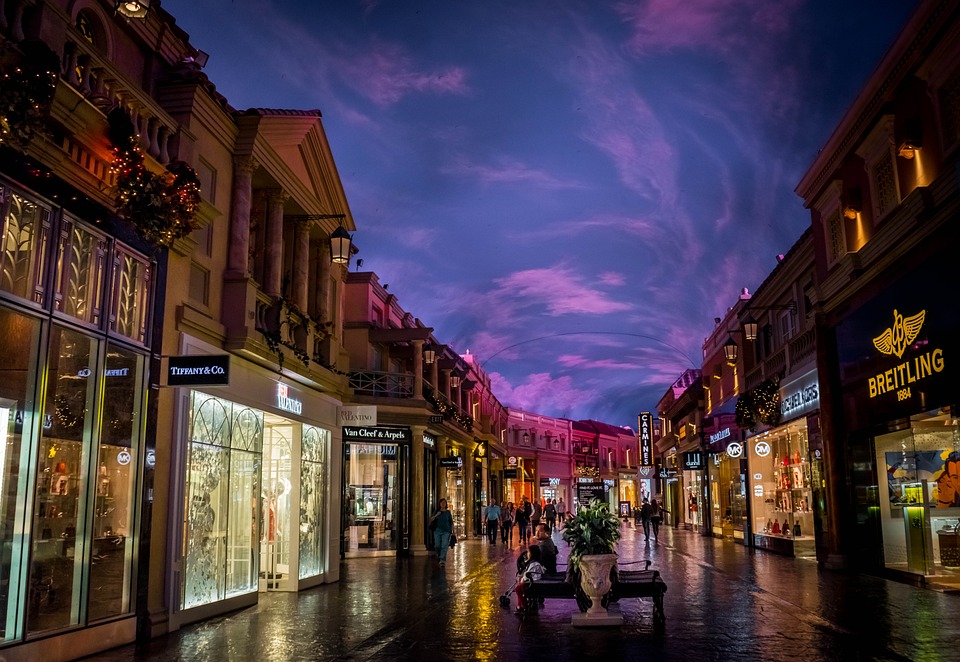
point(898, 337)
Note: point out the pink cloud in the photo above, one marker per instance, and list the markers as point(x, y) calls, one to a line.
point(508, 171)
point(721, 25)
point(612, 278)
point(386, 73)
point(541, 393)
point(576, 361)
point(559, 291)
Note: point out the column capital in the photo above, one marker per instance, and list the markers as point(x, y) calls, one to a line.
point(245, 164)
point(301, 225)
point(277, 197)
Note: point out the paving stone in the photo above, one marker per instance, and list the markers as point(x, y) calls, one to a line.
point(724, 602)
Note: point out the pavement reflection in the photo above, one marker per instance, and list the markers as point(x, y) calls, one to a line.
point(724, 602)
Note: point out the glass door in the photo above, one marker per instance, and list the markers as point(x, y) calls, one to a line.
point(276, 539)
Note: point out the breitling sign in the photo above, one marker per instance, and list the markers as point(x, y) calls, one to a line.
point(895, 340)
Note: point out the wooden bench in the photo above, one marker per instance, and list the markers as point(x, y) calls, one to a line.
point(626, 584)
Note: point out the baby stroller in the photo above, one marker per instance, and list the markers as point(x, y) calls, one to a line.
point(522, 562)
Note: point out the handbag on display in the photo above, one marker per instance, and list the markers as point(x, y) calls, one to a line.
point(453, 539)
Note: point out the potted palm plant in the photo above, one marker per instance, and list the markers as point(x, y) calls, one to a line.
point(592, 535)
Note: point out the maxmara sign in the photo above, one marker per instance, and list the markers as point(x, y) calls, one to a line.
point(365, 416)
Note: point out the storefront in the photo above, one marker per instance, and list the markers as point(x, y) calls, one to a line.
point(726, 471)
point(75, 310)
point(453, 489)
point(431, 498)
point(786, 485)
point(375, 476)
point(255, 490)
point(900, 404)
point(694, 488)
point(628, 497)
point(518, 479)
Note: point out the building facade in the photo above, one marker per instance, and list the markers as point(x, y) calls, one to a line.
point(883, 198)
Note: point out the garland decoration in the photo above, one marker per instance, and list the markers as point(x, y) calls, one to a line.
point(26, 94)
point(163, 207)
point(759, 405)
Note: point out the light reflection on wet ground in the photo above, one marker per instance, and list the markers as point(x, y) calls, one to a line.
point(724, 602)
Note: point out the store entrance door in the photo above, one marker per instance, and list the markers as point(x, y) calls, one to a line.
point(278, 541)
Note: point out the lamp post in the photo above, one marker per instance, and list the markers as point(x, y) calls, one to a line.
point(750, 328)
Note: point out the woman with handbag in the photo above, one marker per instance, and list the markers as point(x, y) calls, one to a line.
point(442, 524)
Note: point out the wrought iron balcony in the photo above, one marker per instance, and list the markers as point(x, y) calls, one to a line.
point(382, 384)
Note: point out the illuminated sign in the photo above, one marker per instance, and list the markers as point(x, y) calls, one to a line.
point(286, 402)
point(800, 396)
point(351, 433)
point(693, 461)
point(123, 458)
point(512, 461)
point(898, 337)
point(758, 490)
point(451, 462)
point(429, 441)
point(364, 415)
point(113, 372)
point(645, 425)
point(762, 449)
point(734, 449)
point(758, 476)
point(719, 436)
point(151, 459)
point(894, 341)
point(199, 370)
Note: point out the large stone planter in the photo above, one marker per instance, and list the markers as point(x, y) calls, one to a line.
point(595, 582)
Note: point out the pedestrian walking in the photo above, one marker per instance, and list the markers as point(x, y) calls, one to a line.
point(645, 512)
point(561, 512)
point(656, 515)
point(536, 515)
point(522, 518)
point(491, 515)
point(507, 514)
point(442, 525)
point(550, 515)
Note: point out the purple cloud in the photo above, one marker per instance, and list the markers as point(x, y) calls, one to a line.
point(559, 291)
point(507, 170)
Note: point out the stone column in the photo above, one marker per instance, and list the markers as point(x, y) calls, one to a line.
point(273, 245)
point(435, 376)
point(322, 289)
point(832, 438)
point(417, 369)
point(446, 383)
point(243, 167)
point(417, 486)
point(301, 264)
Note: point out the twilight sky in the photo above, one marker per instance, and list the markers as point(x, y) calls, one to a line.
point(521, 169)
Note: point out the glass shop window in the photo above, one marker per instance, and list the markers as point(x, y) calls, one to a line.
point(25, 232)
point(61, 489)
point(18, 376)
point(315, 444)
point(81, 265)
point(115, 500)
point(130, 308)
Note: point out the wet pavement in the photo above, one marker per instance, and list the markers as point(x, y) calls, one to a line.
point(724, 602)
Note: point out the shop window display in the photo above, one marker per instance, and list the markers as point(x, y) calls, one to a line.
point(113, 510)
point(61, 490)
point(316, 441)
point(919, 488)
point(221, 525)
point(782, 485)
point(17, 383)
point(370, 497)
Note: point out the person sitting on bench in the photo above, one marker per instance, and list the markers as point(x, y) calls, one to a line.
point(531, 573)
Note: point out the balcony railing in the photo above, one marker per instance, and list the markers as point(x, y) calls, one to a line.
point(382, 384)
point(283, 326)
point(447, 409)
